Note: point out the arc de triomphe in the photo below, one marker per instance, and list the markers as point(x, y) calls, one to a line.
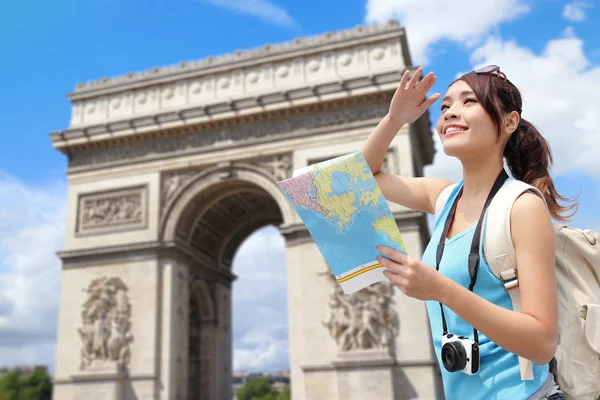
point(170, 169)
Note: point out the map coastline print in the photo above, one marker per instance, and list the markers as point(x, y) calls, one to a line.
point(347, 216)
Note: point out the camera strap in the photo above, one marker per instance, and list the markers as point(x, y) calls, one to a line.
point(474, 252)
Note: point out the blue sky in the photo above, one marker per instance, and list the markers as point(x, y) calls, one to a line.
point(547, 47)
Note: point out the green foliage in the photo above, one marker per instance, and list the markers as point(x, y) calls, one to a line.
point(262, 389)
point(286, 393)
point(34, 386)
point(9, 386)
point(257, 389)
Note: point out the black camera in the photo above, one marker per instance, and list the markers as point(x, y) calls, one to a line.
point(460, 354)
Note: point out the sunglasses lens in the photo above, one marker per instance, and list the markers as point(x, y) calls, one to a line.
point(487, 69)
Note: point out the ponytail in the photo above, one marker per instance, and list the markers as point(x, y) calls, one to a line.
point(527, 153)
point(529, 158)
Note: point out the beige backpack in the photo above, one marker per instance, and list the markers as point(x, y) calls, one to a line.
point(578, 284)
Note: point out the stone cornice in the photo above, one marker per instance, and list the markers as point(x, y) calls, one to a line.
point(153, 250)
point(211, 115)
point(289, 123)
point(237, 59)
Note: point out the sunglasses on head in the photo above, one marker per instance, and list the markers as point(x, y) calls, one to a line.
point(495, 70)
point(491, 70)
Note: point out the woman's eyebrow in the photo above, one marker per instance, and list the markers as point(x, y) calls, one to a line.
point(462, 94)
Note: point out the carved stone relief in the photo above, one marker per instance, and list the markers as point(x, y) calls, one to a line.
point(172, 181)
point(106, 324)
point(280, 166)
point(364, 320)
point(115, 210)
point(236, 136)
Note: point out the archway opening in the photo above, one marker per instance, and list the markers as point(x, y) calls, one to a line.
point(230, 229)
point(260, 309)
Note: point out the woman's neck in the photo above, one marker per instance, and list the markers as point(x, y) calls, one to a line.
point(479, 177)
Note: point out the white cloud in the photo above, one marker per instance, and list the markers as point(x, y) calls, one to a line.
point(575, 11)
point(428, 22)
point(260, 324)
point(559, 88)
point(264, 10)
point(31, 223)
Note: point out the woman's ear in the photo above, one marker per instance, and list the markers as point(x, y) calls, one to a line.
point(511, 122)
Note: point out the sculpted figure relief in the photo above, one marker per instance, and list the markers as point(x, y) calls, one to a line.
point(279, 166)
point(106, 319)
point(111, 210)
point(363, 320)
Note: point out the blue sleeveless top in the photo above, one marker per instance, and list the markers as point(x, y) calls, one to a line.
point(499, 374)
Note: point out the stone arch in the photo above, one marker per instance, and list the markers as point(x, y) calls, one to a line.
point(200, 295)
point(209, 217)
point(210, 189)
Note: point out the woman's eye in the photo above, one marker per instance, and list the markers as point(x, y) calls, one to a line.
point(444, 106)
point(473, 100)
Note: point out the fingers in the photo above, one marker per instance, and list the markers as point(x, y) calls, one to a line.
point(426, 83)
point(427, 103)
point(415, 78)
point(395, 279)
point(390, 266)
point(404, 79)
point(393, 254)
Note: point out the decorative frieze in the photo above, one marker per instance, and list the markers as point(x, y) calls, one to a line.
point(279, 166)
point(106, 325)
point(363, 320)
point(172, 181)
point(235, 136)
point(111, 211)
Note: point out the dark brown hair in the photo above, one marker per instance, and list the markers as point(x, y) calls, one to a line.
point(527, 153)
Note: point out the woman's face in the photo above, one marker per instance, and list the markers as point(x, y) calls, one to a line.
point(465, 128)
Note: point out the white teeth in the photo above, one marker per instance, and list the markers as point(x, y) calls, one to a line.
point(454, 129)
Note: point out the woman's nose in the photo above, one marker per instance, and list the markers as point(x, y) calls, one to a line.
point(449, 114)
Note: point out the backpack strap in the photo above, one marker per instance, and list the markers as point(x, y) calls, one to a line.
point(499, 249)
point(442, 198)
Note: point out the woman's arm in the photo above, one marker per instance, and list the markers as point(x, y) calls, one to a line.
point(407, 105)
point(533, 332)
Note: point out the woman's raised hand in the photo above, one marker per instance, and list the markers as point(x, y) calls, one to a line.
point(409, 101)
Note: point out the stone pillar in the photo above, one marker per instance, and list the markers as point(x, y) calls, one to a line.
point(342, 363)
point(364, 357)
point(108, 339)
point(309, 341)
point(223, 342)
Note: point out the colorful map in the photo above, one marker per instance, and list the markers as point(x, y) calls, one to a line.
point(347, 216)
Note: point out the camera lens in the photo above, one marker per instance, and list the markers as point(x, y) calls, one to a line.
point(454, 356)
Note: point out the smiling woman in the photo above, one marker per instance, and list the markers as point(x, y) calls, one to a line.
point(487, 347)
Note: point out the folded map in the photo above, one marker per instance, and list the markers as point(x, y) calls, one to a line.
point(347, 216)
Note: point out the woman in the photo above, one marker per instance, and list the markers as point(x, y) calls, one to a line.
point(480, 124)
